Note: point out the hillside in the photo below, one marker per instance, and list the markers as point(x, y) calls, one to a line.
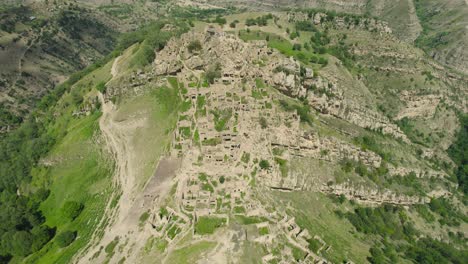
point(229, 136)
point(436, 26)
point(40, 46)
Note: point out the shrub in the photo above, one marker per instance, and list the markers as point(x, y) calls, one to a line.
point(194, 45)
point(219, 20)
point(222, 179)
point(264, 164)
point(101, 87)
point(65, 238)
point(109, 249)
point(297, 46)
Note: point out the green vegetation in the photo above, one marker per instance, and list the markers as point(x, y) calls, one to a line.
point(315, 213)
point(263, 122)
point(259, 21)
point(187, 254)
point(33, 140)
point(213, 73)
point(121, 11)
point(143, 217)
point(458, 152)
point(219, 20)
point(283, 165)
point(173, 231)
point(428, 250)
point(101, 87)
point(264, 164)
point(65, 238)
point(245, 157)
point(194, 45)
point(314, 244)
point(72, 209)
point(239, 210)
point(20, 152)
point(285, 47)
point(221, 118)
point(249, 220)
point(370, 143)
point(407, 126)
point(151, 39)
point(222, 179)
point(387, 221)
point(449, 214)
point(303, 110)
point(211, 142)
point(297, 253)
point(109, 249)
point(433, 36)
point(201, 101)
point(392, 224)
point(207, 225)
point(263, 231)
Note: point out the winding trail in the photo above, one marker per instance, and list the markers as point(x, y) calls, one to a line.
point(122, 221)
point(118, 141)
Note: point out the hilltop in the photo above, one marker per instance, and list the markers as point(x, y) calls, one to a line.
point(229, 136)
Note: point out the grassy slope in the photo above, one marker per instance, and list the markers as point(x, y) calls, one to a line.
point(159, 108)
point(444, 25)
point(189, 253)
point(315, 212)
point(81, 173)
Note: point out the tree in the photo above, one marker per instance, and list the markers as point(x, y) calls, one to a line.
point(21, 243)
point(42, 235)
point(65, 238)
point(72, 209)
point(222, 179)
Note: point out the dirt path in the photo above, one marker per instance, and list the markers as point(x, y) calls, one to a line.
point(133, 202)
point(118, 143)
point(114, 71)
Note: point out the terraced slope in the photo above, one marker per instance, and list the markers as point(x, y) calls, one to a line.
point(245, 153)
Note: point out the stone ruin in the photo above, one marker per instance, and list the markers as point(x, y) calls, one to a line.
point(232, 124)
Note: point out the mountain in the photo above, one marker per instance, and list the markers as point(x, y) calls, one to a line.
point(243, 133)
